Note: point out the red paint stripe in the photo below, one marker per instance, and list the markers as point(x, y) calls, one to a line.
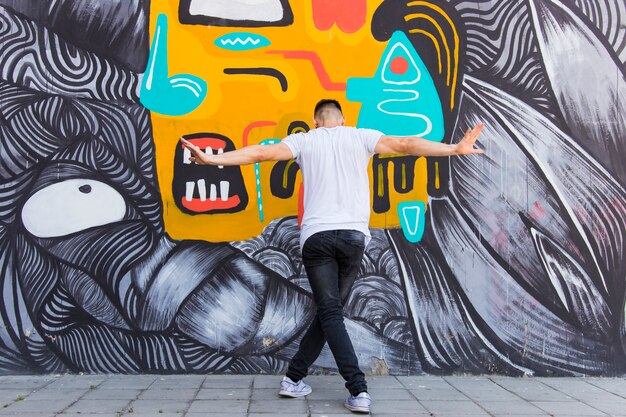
point(204, 143)
point(300, 205)
point(318, 66)
point(254, 125)
point(198, 206)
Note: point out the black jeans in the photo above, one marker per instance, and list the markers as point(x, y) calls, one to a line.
point(331, 259)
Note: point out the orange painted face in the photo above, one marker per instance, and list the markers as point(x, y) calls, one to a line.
point(264, 68)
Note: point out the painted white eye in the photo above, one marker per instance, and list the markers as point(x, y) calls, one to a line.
point(71, 206)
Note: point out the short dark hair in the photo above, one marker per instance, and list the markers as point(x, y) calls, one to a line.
point(326, 102)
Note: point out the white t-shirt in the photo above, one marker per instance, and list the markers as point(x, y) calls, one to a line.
point(334, 162)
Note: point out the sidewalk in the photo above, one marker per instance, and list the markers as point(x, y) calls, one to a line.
point(256, 396)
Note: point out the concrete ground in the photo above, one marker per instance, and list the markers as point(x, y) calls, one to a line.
point(256, 396)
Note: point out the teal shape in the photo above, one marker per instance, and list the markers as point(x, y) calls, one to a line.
point(241, 41)
point(399, 103)
point(412, 216)
point(173, 96)
point(257, 178)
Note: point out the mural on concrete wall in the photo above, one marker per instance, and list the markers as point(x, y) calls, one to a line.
point(117, 255)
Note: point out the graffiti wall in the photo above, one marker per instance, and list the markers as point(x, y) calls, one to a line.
point(118, 255)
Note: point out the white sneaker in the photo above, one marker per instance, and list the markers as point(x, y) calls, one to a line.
point(288, 388)
point(359, 404)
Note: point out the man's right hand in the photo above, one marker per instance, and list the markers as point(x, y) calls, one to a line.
point(466, 144)
point(198, 156)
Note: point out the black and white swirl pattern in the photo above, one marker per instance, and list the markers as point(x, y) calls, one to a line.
point(32, 56)
point(501, 47)
point(609, 16)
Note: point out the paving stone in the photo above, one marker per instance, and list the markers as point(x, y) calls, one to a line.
point(518, 407)
point(397, 407)
point(272, 414)
point(616, 386)
point(508, 414)
point(325, 381)
point(157, 406)
point(230, 393)
point(267, 381)
point(34, 414)
point(133, 382)
point(613, 407)
point(573, 387)
point(473, 379)
point(454, 408)
point(98, 406)
point(383, 382)
point(487, 392)
point(280, 406)
point(54, 394)
point(34, 406)
point(220, 415)
point(431, 388)
point(324, 391)
point(585, 392)
point(388, 394)
point(91, 415)
point(439, 394)
point(133, 414)
point(532, 390)
point(326, 406)
point(76, 382)
point(218, 406)
point(267, 394)
point(478, 384)
point(482, 414)
point(178, 382)
point(7, 396)
point(228, 381)
point(28, 383)
point(345, 413)
point(411, 381)
point(110, 394)
point(183, 394)
point(568, 408)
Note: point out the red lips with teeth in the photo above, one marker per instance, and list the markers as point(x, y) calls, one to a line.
point(202, 189)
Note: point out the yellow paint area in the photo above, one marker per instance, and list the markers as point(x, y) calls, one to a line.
point(233, 102)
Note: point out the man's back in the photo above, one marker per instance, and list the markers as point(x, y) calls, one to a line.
point(334, 165)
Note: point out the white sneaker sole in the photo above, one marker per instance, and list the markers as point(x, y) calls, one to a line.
point(290, 394)
point(356, 409)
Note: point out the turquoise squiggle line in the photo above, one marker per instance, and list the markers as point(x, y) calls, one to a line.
point(257, 175)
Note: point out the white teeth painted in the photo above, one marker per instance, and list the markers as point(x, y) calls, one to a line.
point(190, 185)
point(186, 156)
point(213, 193)
point(208, 150)
point(219, 152)
point(224, 187)
point(202, 190)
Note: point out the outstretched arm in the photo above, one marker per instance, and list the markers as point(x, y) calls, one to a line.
point(243, 156)
point(413, 145)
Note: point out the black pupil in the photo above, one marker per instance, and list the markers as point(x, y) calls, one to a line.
point(85, 189)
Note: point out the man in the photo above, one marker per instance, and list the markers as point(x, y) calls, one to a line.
point(334, 161)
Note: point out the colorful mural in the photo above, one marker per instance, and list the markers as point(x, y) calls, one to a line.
point(118, 255)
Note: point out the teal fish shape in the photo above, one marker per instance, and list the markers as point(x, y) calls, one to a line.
point(401, 98)
point(173, 96)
